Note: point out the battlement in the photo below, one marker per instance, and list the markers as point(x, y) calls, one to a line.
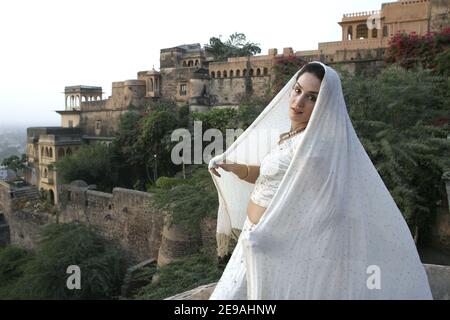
point(405, 3)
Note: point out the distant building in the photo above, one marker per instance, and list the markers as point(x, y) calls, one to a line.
point(45, 146)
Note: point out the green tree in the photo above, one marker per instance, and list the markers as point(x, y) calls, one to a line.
point(190, 200)
point(43, 274)
point(13, 261)
point(182, 275)
point(91, 163)
point(142, 134)
point(124, 154)
point(235, 46)
point(15, 163)
point(395, 116)
point(155, 139)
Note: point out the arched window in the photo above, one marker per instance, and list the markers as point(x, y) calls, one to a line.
point(61, 153)
point(225, 73)
point(231, 74)
point(350, 33)
point(46, 152)
point(45, 173)
point(150, 85)
point(42, 152)
point(266, 71)
point(238, 73)
point(251, 72)
point(196, 62)
point(258, 72)
point(51, 196)
point(184, 64)
point(362, 32)
point(50, 152)
point(68, 151)
point(374, 33)
point(244, 73)
point(213, 74)
point(219, 74)
point(190, 63)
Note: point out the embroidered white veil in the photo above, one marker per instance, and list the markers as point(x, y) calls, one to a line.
point(332, 225)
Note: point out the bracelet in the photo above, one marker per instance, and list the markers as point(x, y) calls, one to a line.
point(248, 170)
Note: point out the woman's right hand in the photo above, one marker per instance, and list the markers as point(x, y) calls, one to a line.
point(233, 167)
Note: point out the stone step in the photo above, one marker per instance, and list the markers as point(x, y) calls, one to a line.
point(28, 193)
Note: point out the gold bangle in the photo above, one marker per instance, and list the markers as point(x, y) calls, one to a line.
point(248, 170)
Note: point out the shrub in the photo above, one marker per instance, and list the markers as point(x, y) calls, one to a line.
point(44, 275)
point(182, 275)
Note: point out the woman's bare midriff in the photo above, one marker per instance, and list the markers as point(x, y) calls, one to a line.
point(254, 212)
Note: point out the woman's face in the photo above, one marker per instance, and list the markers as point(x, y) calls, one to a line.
point(303, 98)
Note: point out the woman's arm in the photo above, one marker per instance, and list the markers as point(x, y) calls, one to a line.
point(240, 170)
point(253, 174)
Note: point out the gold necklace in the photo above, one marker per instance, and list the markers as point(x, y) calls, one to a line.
point(289, 134)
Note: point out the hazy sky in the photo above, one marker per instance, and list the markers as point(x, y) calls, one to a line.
point(47, 45)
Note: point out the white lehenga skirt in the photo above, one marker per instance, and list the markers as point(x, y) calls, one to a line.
point(233, 282)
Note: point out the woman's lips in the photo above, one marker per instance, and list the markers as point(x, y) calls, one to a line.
point(296, 112)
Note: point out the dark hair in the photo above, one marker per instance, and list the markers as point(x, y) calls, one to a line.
point(314, 68)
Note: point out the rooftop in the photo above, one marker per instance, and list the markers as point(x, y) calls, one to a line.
point(81, 88)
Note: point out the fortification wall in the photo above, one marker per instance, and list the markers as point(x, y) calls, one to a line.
point(125, 216)
point(100, 123)
point(20, 224)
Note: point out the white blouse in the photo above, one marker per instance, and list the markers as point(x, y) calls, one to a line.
point(273, 167)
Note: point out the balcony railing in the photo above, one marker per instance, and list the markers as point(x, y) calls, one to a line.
point(362, 14)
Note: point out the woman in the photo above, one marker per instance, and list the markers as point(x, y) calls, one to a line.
point(319, 222)
point(303, 97)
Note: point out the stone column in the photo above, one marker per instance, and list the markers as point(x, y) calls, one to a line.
point(355, 28)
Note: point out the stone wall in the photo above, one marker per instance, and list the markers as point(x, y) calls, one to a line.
point(102, 123)
point(369, 67)
point(125, 216)
point(101, 118)
point(20, 223)
point(172, 79)
point(228, 91)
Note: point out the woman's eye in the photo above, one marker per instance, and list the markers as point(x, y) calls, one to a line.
point(313, 98)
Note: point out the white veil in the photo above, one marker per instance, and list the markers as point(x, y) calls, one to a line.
point(332, 230)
